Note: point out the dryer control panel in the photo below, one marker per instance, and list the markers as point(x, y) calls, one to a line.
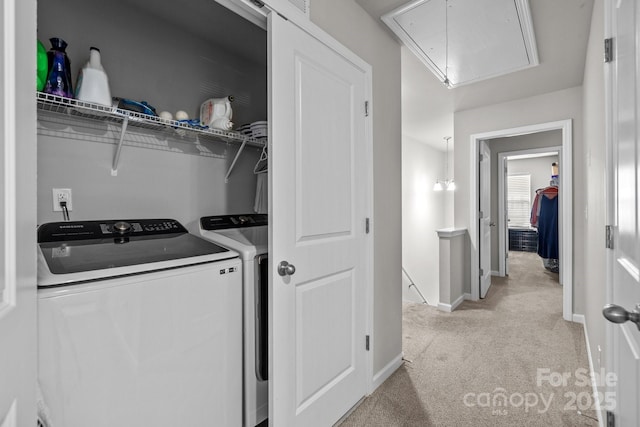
point(222, 222)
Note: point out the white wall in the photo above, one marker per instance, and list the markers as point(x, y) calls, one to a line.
point(550, 107)
point(594, 295)
point(423, 212)
point(351, 25)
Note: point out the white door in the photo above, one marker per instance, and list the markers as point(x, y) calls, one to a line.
point(318, 205)
point(17, 214)
point(485, 218)
point(624, 281)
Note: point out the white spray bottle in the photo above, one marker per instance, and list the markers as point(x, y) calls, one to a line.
point(92, 84)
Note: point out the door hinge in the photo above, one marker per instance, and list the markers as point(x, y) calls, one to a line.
point(366, 340)
point(367, 226)
point(608, 50)
point(608, 237)
point(480, 214)
point(481, 273)
point(366, 108)
point(611, 419)
point(481, 157)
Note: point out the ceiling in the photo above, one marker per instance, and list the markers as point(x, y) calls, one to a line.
point(561, 29)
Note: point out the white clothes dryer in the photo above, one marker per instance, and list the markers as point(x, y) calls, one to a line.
point(248, 235)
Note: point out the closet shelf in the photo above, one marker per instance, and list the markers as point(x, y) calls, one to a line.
point(87, 110)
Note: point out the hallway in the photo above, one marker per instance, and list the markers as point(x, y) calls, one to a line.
point(496, 362)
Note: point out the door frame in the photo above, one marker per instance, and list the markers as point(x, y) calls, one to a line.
point(566, 205)
point(502, 200)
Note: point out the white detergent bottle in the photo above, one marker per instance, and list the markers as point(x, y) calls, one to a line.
point(92, 84)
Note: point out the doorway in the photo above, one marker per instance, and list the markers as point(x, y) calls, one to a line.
point(565, 206)
point(520, 174)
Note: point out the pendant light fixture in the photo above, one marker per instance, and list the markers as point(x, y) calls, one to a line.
point(445, 184)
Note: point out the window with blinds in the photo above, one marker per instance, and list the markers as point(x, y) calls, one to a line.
point(519, 200)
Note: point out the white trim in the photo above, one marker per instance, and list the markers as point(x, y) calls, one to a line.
point(467, 296)
point(503, 236)
point(8, 127)
point(383, 374)
point(594, 378)
point(370, 273)
point(495, 273)
point(565, 200)
point(447, 233)
point(450, 307)
point(611, 183)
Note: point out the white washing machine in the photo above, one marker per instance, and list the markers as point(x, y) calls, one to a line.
point(248, 235)
point(139, 325)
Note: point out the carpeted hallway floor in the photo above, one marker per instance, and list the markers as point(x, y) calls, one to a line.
point(497, 362)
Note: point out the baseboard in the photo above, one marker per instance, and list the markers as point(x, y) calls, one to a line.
point(579, 318)
point(450, 307)
point(495, 273)
point(467, 296)
point(384, 373)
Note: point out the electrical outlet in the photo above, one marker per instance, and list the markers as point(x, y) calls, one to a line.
point(61, 195)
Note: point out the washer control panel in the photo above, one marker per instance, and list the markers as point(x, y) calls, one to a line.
point(84, 230)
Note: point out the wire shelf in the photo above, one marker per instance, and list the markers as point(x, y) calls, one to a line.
point(88, 110)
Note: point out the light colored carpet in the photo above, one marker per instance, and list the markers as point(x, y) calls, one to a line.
point(459, 364)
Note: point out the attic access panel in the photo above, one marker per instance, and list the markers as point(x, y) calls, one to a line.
point(486, 38)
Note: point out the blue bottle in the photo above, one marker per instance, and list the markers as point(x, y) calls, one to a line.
point(59, 77)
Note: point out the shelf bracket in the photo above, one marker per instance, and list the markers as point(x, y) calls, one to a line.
point(116, 156)
point(235, 159)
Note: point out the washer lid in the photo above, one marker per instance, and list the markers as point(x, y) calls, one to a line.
point(80, 251)
point(88, 255)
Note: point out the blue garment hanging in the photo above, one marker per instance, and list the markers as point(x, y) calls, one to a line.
point(548, 228)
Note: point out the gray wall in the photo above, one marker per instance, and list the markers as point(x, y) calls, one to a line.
point(549, 107)
point(515, 143)
point(423, 212)
point(352, 26)
point(148, 58)
point(594, 253)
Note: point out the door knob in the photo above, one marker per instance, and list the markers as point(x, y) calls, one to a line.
point(492, 224)
point(616, 314)
point(286, 269)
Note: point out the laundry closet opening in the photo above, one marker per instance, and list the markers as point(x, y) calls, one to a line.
point(150, 154)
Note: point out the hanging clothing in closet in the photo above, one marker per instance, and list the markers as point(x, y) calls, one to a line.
point(544, 216)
